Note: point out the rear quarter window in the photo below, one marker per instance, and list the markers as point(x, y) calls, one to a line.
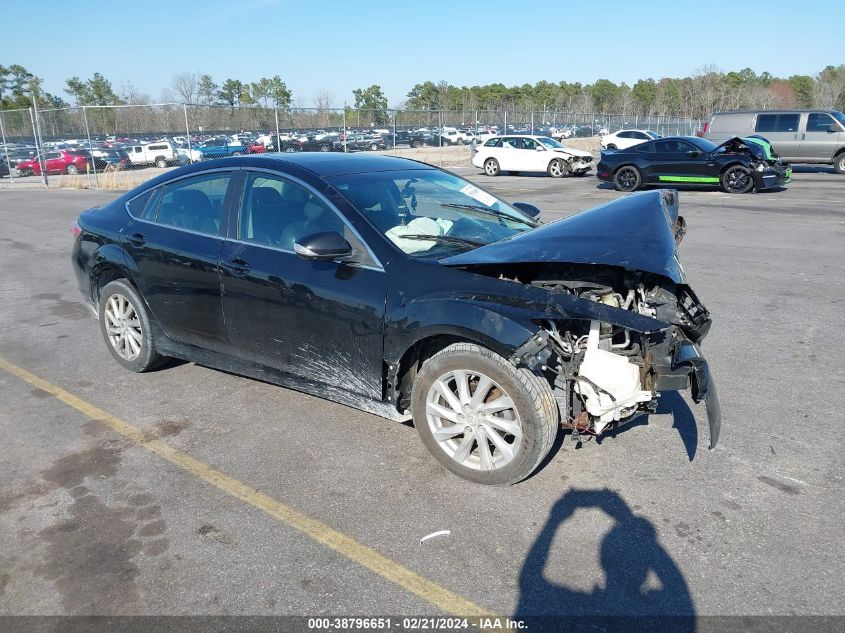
point(494, 142)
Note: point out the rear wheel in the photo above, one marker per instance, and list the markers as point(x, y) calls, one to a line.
point(611, 146)
point(374, 146)
point(491, 167)
point(839, 163)
point(72, 170)
point(482, 418)
point(236, 153)
point(289, 149)
point(324, 148)
point(627, 178)
point(737, 179)
point(125, 326)
point(460, 141)
point(558, 168)
point(161, 163)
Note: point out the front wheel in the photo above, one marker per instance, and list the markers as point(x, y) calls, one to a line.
point(482, 418)
point(627, 178)
point(373, 147)
point(125, 326)
point(161, 163)
point(491, 167)
point(737, 179)
point(839, 164)
point(558, 168)
point(72, 170)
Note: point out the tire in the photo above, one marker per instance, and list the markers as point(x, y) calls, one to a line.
point(491, 167)
point(125, 326)
point(460, 141)
point(627, 178)
point(324, 148)
point(72, 170)
point(558, 168)
point(416, 144)
point(289, 149)
point(524, 430)
point(374, 146)
point(839, 163)
point(737, 179)
point(160, 162)
point(236, 153)
point(611, 146)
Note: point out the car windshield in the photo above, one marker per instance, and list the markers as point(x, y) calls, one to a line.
point(839, 117)
point(411, 205)
point(550, 142)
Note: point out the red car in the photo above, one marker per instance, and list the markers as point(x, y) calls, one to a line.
point(62, 161)
point(256, 148)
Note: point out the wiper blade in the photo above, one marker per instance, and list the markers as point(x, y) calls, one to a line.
point(485, 211)
point(445, 239)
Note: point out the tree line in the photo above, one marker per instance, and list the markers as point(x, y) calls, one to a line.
point(707, 90)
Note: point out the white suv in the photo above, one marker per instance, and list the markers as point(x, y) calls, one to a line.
point(525, 153)
point(159, 153)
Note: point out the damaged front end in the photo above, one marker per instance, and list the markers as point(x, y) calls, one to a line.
point(620, 323)
point(768, 169)
point(604, 375)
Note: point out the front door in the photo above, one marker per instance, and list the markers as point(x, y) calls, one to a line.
point(322, 321)
point(821, 137)
point(175, 242)
point(679, 162)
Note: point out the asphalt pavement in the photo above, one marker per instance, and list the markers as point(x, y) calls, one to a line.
point(238, 497)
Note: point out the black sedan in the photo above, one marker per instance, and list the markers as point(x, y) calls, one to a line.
point(738, 165)
point(400, 289)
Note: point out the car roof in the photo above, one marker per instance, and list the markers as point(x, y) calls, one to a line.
point(787, 111)
point(326, 164)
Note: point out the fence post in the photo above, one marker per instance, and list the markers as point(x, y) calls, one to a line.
point(38, 147)
point(345, 134)
point(188, 132)
point(440, 138)
point(90, 148)
point(394, 132)
point(6, 149)
point(505, 131)
point(278, 133)
point(532, 122)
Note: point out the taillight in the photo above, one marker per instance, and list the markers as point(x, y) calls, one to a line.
point(75, 230)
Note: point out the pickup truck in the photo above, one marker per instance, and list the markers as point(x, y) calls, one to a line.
point(219, 148)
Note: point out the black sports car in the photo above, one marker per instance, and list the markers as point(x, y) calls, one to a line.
point(738, 165)
point(401, 289)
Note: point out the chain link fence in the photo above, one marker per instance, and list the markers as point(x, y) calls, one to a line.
point(92, 140)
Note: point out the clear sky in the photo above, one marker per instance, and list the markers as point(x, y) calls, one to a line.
point(317, 45)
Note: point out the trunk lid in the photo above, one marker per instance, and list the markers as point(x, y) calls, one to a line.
point(637, 232)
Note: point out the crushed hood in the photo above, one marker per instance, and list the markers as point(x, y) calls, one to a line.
point(573, 152)
point(755, 146)
point(637, 232)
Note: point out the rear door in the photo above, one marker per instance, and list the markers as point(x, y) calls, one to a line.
point(820, 137)
point(781, 129)
point(174, 242)
point(322, 321)
point(508, 154)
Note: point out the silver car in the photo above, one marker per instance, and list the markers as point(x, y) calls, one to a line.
point(798, 136)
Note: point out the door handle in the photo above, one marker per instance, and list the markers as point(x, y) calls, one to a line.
point(236, 267)
point(137, 239)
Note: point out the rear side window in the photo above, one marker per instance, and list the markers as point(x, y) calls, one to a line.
point(646, 148)
point(494, 142)
point(777, 123)
point(195, 204)
point(819, 122)
point(145, 205)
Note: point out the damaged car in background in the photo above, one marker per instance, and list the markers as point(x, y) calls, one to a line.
point(403, 290)
point(739, 165)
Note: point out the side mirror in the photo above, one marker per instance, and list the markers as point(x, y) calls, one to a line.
point(323, 246)
point(540, 148)
point(833, 129)
point(528, 209)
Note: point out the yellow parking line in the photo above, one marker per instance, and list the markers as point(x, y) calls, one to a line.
point(365, 556)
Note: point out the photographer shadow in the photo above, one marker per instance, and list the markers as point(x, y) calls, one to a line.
point(633, 562)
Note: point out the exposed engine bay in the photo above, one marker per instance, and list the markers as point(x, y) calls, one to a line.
point(605, 374)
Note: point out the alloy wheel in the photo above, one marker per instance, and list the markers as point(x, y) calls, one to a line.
point(738, 180)
point(626, 179)
point(123, 327)
point(473, 420)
